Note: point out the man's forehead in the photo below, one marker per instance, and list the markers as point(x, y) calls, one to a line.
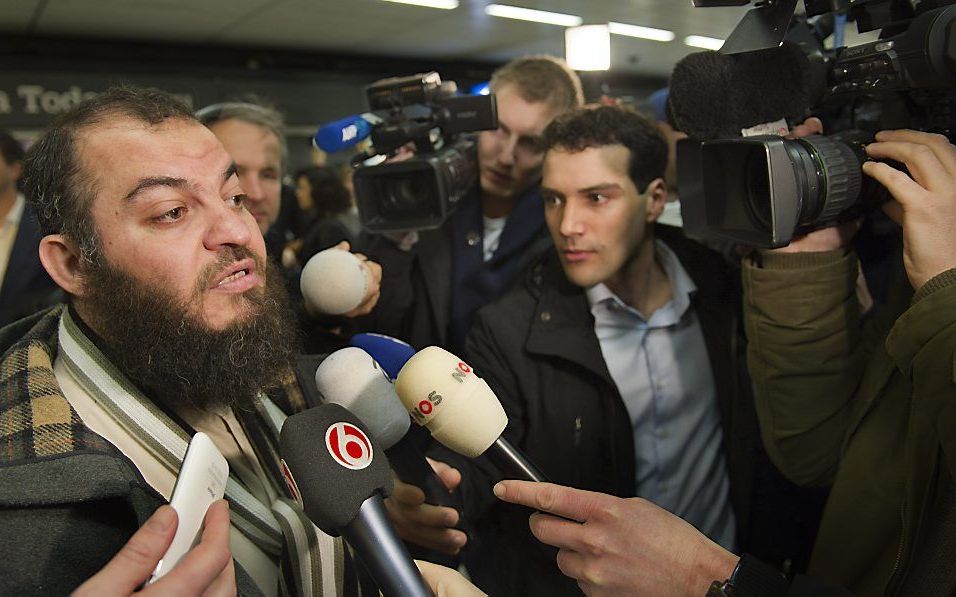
point(125, 147)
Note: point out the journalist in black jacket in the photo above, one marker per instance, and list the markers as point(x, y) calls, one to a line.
point(537, 349)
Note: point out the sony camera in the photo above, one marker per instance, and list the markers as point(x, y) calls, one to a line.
point(421, 191)
point(763, 190)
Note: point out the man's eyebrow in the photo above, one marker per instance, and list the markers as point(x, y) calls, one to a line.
point(227, 174)
point(551, 192)
point(157, 181)
point(172, 182)
point(604, 186)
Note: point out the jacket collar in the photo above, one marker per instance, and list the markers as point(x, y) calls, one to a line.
point(563, 327)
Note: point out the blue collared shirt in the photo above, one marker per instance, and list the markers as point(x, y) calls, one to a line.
point(662, 371)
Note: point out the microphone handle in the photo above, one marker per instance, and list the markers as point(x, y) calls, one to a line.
point(512, 463)
point(374, 539)
point(410, 465)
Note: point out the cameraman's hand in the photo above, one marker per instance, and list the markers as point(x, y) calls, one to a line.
point(429, 526)
point(824, 239)
point(925, 199)
point(206, 570)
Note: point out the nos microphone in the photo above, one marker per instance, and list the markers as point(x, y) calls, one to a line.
point(334, 282)
point(331, 464)
point(390, 353)
point(353, 379)
point(459, 409)
point(344, 133)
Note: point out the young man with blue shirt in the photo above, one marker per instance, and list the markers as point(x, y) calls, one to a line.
point(617, 362)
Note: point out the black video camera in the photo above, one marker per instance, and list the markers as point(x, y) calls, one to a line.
point(764, 190)
point(421, 191)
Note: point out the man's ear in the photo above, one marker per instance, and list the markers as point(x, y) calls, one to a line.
point(61, 259)
point(656, 193)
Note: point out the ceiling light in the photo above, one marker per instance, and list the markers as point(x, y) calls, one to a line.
point(588, 47)
point(707, 43)
point(536, 16)
point(642, 32)
point(444, 4)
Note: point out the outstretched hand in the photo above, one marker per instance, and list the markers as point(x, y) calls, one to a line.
point(616, 546)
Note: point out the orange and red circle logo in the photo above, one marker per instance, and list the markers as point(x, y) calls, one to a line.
point(348, 446)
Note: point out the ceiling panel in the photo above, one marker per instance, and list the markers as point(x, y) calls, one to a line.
point(372, 26)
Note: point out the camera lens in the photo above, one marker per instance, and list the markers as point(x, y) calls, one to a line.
point(405, 192)
point(758, 190)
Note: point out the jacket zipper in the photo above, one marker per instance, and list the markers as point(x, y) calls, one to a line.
point(577, 431)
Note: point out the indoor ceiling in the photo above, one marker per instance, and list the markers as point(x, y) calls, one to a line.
point(373, 27)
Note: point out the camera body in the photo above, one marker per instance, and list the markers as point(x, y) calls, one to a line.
point(419, 192)
point(764, 190)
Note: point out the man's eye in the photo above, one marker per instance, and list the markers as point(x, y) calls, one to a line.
point(238, 200)
point(597, 198)
point(172, 215)
point(551, 200)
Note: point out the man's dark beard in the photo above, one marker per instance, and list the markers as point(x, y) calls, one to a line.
point(170, 353)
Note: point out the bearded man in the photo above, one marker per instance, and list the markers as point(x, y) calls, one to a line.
point(175, 324)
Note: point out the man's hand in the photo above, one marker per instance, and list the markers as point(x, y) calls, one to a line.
point(445, 582)
point(925, 199)
point(620, 546)
point(429, 526)
point(206, 570)
point(373, 271)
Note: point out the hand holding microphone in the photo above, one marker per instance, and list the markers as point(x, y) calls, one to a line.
point(337, 282)
point(459, 409)
point(342, 480)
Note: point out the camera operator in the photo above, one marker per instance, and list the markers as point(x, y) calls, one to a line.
point(435, 280)
point(866, 409)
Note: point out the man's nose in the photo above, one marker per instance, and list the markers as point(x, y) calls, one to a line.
point(506, 151)
point(571, 222)
point(227, 227)
point(252, 186)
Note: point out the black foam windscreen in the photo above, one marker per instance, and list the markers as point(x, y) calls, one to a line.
point(714, 96)
point(333, 464)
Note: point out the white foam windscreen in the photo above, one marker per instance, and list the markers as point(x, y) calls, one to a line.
point(351, 378)
point(334, 282)
point(443, 394)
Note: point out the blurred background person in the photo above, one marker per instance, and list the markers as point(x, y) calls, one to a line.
point(26, 287)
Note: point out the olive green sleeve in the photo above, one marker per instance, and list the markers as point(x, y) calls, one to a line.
point(805, 356)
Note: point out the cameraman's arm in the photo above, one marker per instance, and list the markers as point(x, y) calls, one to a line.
point(923, 341)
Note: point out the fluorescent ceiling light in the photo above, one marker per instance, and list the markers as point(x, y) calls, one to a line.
point(642, 32)
point(588, 47)
point(707, 43)
point(537, 16)
point(444, 4)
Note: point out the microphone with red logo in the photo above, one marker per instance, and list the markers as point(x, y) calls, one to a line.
point(460, 411)
point(332, 467)
point(353, 379)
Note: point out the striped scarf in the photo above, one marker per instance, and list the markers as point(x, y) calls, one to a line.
point(315, 560)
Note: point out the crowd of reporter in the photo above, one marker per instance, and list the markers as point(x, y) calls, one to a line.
point(689, 409)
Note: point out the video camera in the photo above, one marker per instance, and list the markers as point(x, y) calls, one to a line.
point(421, 191)
point(764, 190)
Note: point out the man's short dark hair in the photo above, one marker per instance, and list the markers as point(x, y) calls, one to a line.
point(612, 125)
point(55, 182)
point(330, 196)
point(10, 149)
point(541, 79)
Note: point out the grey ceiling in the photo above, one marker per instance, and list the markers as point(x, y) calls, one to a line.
point(372, 26)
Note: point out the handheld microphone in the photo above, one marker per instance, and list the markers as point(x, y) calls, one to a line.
point(334, 282)
point(459, 409)
point(390, 353)
point(340, 482)
point(351, 378)
point(344, 133)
